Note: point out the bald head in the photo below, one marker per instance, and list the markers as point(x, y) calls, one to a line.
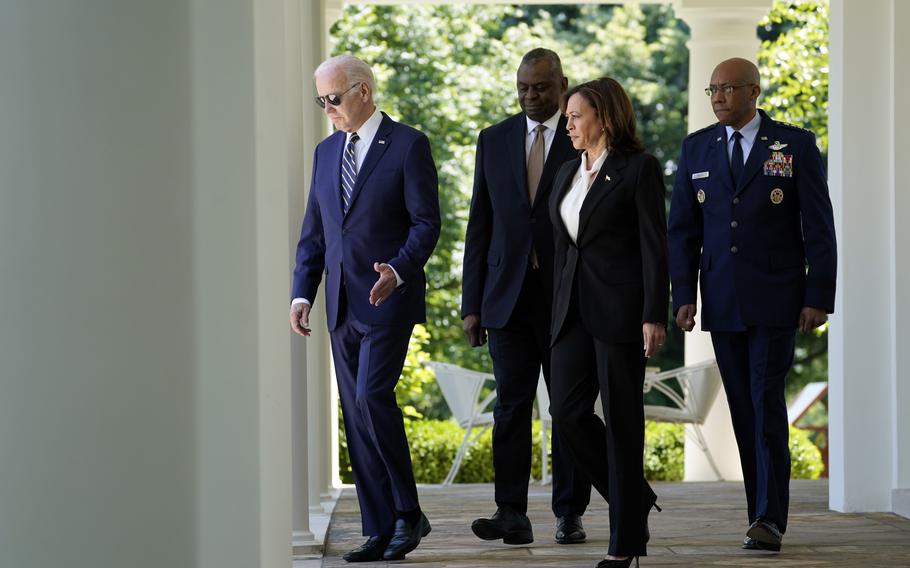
point(735, 90)
point(741, 69)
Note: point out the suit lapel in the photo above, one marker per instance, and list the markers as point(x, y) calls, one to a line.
point(561, 187)
point(381, 143)
point(759, 153)
point(336, 148)
point(606, 181)
point(516, 143)
point(561, 151)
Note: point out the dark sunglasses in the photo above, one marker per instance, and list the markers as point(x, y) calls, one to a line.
point(333, 100)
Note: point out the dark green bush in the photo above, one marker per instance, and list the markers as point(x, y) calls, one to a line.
point(435, 442)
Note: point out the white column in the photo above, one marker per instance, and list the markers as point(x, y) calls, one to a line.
point(901, 314)
point(299, 30)
point(861, 162)
point(719, 31)
point(97, 323)
point(242, 346)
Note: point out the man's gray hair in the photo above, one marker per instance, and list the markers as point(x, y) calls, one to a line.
point(354, 69)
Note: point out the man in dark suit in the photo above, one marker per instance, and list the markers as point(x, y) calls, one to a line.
point(371, 223)
point(750, 211)
point(507, 291)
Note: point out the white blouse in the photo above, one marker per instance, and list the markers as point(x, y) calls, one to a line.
point(570, 208)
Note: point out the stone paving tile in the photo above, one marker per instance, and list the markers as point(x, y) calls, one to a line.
point(702, 524)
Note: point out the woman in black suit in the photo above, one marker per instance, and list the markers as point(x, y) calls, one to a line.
point(609, 303)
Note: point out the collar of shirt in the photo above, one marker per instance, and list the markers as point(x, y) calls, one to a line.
point(366, 132)
point(551, 123)
point(583, 169)
point(749, 132)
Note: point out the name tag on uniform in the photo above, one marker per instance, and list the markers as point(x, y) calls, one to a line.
point(700, 175)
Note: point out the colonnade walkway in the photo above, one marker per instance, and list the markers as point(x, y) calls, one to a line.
point(702, 524)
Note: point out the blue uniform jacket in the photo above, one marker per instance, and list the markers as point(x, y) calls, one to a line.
point(763, 249)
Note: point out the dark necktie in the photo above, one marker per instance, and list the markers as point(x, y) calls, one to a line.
point(348, 173)
point(536, 158)
point(736, 160)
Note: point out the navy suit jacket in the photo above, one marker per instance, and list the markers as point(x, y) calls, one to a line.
point(618, 264)
point(503, 225)
point(393, 217)
point(751, 243)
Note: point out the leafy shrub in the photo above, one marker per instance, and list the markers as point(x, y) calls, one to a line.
point(805, 457)
point(435, 442)
point(665, 455)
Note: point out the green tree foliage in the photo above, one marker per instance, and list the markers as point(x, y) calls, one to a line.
point(450, 71)
point(793, 60)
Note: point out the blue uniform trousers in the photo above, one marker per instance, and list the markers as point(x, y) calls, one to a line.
point(754, 365)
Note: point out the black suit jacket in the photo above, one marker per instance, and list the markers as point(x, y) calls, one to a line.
point(502, 224)
point(618, 267)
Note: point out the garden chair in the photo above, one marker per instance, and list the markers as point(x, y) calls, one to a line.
point(807, 397)
point(461, 388)
point(691, 392)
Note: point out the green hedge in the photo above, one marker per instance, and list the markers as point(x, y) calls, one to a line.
point(434, 443)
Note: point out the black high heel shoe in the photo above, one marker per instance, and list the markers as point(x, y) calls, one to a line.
point(625, 563)
point(654, 505)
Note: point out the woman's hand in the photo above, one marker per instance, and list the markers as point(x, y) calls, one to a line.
point(654, 335)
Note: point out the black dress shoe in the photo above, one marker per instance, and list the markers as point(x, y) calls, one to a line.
point(506, 524)
point(752, 544)
point(765, 534)
point(569, 530)
point(406, 538)
point(369, 551)
point(609, 563)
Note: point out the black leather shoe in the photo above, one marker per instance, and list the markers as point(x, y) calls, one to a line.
point(506, 524)
point(625, 563)
point(569, 530)
point(752, 544)
point(369, 551)
point(765, 534)
point(406, 538)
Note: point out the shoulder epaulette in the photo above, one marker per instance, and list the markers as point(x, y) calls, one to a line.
point(701, 130)
point(794, 127)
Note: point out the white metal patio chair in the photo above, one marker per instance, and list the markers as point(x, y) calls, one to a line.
point(690, 403)
point(461, 389)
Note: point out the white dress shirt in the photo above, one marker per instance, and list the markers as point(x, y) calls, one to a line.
point(749, 132)
point(549, 134)
point(570, 208)
point(366, 132)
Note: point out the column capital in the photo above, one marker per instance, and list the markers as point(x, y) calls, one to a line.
point(723, 23)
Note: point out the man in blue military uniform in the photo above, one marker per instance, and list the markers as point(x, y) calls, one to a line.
point(751, 219)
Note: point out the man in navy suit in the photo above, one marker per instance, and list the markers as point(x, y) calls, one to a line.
point(507, 293)
point(751, 219)
point(371, 223)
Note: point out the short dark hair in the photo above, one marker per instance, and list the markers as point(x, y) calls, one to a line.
point(614, 110)
point(539, 53)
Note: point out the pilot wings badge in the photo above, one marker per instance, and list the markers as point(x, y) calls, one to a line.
point(777, 146)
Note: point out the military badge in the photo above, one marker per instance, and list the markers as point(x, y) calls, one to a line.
point(777, 196)
point(779, 164)
point(700, 196)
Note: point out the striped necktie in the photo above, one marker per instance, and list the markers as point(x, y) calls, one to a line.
point(348, 173)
